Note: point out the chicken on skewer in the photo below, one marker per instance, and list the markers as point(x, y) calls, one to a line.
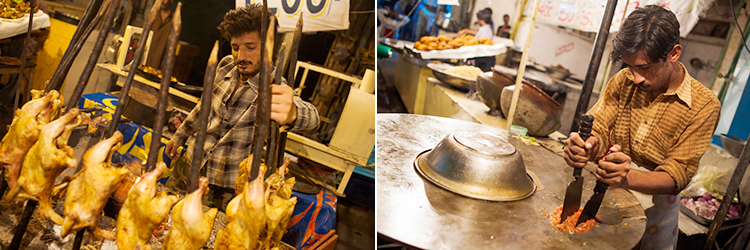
point(143, 211)
point(91, 188)
point(49, 156)
point(244, 174)
point(279, 206)
point(24, 131)
point(246, 218)
point(191, 227)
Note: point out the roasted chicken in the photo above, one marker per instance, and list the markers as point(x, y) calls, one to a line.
point(246, 218)
point(91, 187)
point(279, 206)
point(269, 224)
point(94, 124)
point(143, 211)
point(244, 174)
point(46, 159)
point(191, 227)
point(24, 131)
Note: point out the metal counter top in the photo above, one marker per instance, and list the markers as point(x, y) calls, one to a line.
point(421, 214)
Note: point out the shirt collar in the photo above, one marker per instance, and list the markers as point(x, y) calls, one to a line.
point(234, 76)
point(685, 91)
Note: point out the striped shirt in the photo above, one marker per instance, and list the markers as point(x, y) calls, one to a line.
point(668, 134)
point(229, 134)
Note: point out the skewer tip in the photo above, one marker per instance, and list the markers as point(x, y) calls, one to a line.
point(178, 16)
point(213, 58)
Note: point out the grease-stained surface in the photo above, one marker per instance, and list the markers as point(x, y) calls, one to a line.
point(421, 214)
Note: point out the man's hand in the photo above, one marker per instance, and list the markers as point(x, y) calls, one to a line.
point(283, 109)
point(578, 152)
point(172, 150)
point(613, 168)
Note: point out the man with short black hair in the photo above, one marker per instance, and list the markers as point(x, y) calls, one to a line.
point(232, 116)
point(652, 124)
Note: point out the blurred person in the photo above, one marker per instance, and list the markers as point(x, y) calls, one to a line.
point(390, 23)
point(484, 18)
point(504, 30)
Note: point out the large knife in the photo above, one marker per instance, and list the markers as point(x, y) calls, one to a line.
point(592, 206)
point(572, 201)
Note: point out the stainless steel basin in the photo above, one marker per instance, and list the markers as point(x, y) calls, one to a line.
point(478, 165)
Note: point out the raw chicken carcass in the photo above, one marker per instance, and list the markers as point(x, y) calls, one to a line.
point(49, 156)
point(246, 218)
point(91, 188)
point(24, 131)
point(143, 211)
point(191, 227)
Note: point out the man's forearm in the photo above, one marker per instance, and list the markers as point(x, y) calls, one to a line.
point(656, 182)
point(187, 129)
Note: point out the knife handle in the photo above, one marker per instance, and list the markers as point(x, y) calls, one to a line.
point(584, 130)
point(584, 127)
point(600, 187)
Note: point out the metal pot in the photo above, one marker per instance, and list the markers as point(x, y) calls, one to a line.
point(438, 69)
point(477, 165)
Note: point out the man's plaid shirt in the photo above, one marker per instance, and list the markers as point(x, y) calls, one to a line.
point(231, 124)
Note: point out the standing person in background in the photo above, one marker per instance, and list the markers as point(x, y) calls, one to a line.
point(425, 12)
point(404, 7)
point(390, 23)
point(484, 18)
point(504, 30)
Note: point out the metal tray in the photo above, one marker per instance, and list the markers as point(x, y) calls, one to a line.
point(706, 222)
point(438, 69)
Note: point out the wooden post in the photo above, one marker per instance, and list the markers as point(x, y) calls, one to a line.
point(521, 68)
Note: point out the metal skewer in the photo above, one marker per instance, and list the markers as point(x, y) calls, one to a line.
point(262, 115)
point(293, 53)
point(78, 91)
point(31, 204)
point(208, 85)
point(20, 81)
point(281, 139)
point(161, 106)
point(72, 52)
point(271, 158)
